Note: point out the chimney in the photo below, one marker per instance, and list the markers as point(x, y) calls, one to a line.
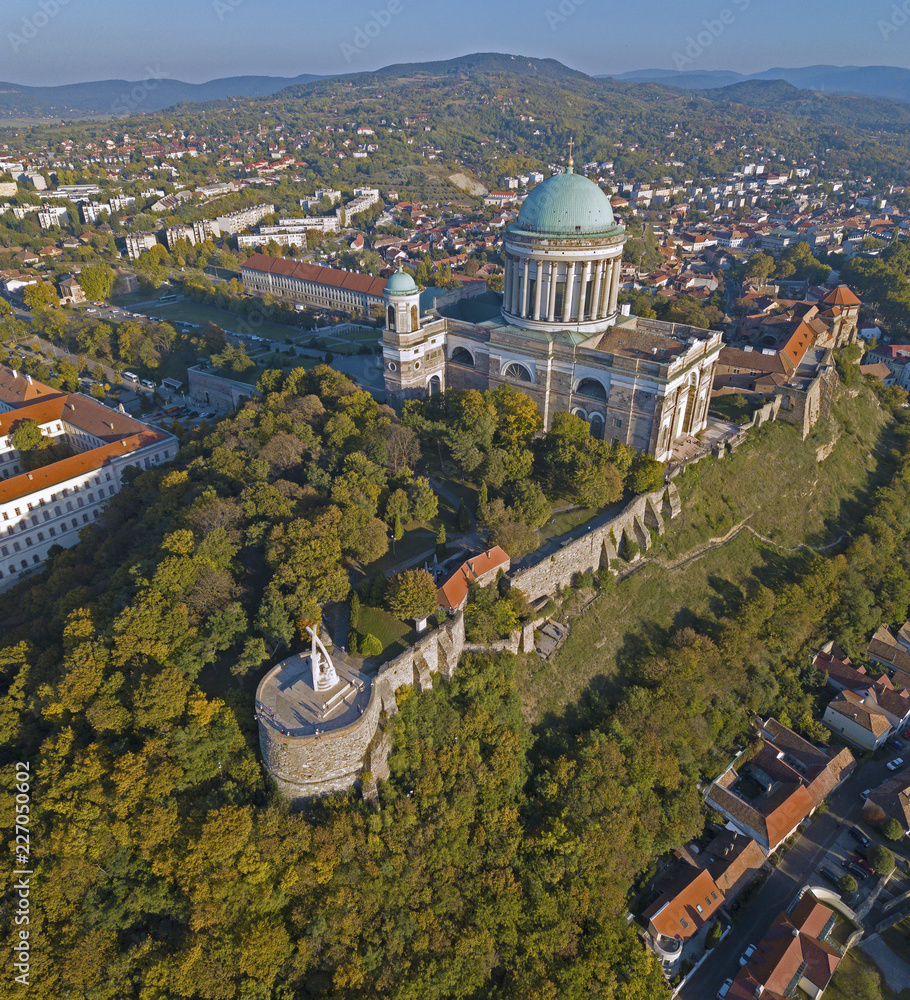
point(28, 379)
point(15, 373)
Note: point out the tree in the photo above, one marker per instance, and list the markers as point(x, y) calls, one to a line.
point(892, 829)
point(848, 884)
point(97, 281)
point(27, 436)
point(760, 267)
point(412, 594)
point(371, 646)
point(647, 474)
point(441, 542)
point(714, 934)
point(464, 518)
point(423, 501)
point(40, 296)
point(881, 859)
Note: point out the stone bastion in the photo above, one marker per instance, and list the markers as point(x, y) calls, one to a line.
point(322, 722)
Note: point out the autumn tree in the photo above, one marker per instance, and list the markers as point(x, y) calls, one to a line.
point(412, 594)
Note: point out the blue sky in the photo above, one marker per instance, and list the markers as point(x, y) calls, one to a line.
point(64, 41)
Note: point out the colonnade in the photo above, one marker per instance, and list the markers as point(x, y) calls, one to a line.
point(532, 286)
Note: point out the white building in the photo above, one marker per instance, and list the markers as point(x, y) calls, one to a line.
point(138, 243)
point(52, 215)
point(246, 218)
point(52, 504)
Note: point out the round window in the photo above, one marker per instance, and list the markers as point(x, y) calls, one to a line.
point(392, 366)
point(416, 365)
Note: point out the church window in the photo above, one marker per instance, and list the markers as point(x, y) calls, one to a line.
point(617, 422)
point(591, 388)
point(518, 372)
point(392, 366)
point(462, 356)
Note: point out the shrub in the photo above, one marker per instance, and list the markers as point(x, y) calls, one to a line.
point(892, 829)
point(714, 935)
point(881, 859)
point(848, 884)
point(370, 646)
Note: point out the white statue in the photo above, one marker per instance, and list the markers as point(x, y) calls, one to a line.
point(324, 675)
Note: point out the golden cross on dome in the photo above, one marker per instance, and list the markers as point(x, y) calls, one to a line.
point(571, 150)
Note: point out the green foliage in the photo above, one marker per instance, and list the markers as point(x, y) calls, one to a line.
point(97, 281)
point(712, 939)
point(892, 829)
point(647, 474)
point(370, 646)
point(40, 296)
point(412, 594)
point(881, 859)
point(848, 884)
point(233, 360)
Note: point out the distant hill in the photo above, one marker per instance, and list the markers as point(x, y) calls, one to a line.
point(837, 110)
point(117, 97)
point(870, 81)
point(488, 63)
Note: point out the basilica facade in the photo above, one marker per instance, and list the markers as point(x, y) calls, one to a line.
point(556, 332)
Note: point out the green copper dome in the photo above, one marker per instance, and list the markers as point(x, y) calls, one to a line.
point(401, 283)
point(566, 205)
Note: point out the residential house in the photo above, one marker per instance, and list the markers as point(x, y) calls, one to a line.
point(70, 291)
point(858, 719)
point(482, 570)
point(891, 800)
point(885, 649)
point(779, 786)
point(797, 953)
point(689, 899)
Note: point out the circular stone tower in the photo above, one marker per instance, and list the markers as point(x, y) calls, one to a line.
point(562, 258)
point(317, 718)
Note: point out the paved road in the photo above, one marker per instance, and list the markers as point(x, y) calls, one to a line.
point(826, 836)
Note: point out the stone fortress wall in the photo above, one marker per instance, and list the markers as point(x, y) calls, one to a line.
point(308, 766)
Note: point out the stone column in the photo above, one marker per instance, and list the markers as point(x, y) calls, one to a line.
point(570, 290)
point(525, 288)
point(507, 285)
point(583, 292)
point(516, 277)
point(538, 289)
point(614, 285)
point(553, 269)
point(596, 310)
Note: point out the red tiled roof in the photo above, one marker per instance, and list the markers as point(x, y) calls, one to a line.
point(17, 389)
point(348, 280)
point(841, 296)
point(77, 465)
point(694, 889)
point(453, 592)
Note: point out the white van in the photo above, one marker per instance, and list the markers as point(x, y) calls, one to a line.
point(130, 377)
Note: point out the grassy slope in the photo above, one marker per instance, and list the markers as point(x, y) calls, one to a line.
point(775, 481)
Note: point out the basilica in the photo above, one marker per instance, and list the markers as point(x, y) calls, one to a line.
point(556, 332)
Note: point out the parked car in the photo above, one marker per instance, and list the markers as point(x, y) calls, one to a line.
point(859, 836)
point(858, 873)
point(865, 793)
point(860, 859)
point(725, 989)
point(896, 743)
point(747, 954)
point(829, 876)
point(147, 382)
point(893, 765)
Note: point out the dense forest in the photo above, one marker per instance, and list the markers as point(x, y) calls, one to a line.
point(498, 859)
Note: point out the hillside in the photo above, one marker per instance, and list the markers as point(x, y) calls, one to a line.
point(871, 81)
point(800, 501)
point(105, 97)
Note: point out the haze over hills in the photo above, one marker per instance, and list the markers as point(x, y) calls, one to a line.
point(861, 107)
point(871, 81)
point(118, 97)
